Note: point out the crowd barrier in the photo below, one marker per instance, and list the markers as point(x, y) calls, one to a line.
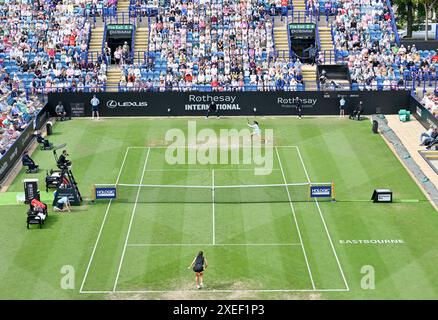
point(13, 154)
point(424, 116)
point(228, 103)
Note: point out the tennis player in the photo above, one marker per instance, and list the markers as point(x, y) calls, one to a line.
point(255, 130)
point(212, 108)
point(199, 264)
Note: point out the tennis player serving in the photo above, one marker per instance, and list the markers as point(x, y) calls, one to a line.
point(199, 264)
point(255, 130)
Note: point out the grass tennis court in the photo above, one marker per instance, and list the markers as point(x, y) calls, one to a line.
point(256, 248)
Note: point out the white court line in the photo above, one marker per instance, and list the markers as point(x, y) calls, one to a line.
point(296, 222)
point(214, 291)
point(101, 226)
point(209, 169)
point(130, 222)
point(213, 207)
point(196, 147)
point(325, 225)
point(212, 244)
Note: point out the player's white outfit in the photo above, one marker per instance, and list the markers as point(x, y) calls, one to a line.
point(255, 128)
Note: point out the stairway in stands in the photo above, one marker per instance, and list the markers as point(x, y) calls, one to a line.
point(309, 71)
point(140, 43)
point(309, 76)
point(123, 7)
point(299, 5)
point(95, 46)
point(326, 41)
point(113, 73)
point(113, 77)
point(281, 41)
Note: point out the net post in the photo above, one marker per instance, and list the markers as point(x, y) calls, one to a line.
point(309, 195)
point(333, 192)
point(93, 193)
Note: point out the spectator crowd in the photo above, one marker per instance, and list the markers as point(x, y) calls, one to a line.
point(364, 38)
point(214, 45)
point(430, 102)
point(44, 47)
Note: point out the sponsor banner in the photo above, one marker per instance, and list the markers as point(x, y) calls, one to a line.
point(384, 197)
point(77, 109)
point(13, 154)
point(297, 30)
point(120, 27)
point(106, 193)
point(320, 191)
point(120, 30)
point(371, 241)
point(228, 103)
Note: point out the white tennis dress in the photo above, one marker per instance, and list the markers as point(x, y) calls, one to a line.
point(255, 128)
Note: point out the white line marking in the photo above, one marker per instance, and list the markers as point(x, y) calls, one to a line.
point(210, 244)
point(214, 291)
point(102, 225)
point(213, 207)
point(130, 222)
point(209, 169)
point(295, 219)
point(325, 225)
point(196, 147)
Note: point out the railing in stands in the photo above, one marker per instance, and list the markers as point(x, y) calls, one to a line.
point(139, 57)
point(272, 32)
point(142, 11)
point(134, 30)
point(326, 57)
point(307, 86)
point(317, 39)
point(88, 42)
point(93, 56)
point(103, 38)
point(149, 33)
point(119, 18)
point(300, 17)
point(393, 22)
point(337, 53)
point(208, 88)
point(283, 55)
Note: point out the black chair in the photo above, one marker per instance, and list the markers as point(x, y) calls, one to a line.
point(53, 179)
point(31, 166)
point(34, 219)
point(44, 143)
point(34, 216)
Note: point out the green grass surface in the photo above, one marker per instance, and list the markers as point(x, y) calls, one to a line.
point(251, 247)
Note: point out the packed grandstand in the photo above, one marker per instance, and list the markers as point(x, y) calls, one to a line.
point(219, 45)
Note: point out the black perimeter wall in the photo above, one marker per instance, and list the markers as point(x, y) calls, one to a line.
point(422, 114)
point(16, 150)
point(229, 103)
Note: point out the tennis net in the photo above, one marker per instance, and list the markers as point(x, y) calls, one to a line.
point(264, 193)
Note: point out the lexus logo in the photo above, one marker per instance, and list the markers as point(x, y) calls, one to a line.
point(113, 104)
